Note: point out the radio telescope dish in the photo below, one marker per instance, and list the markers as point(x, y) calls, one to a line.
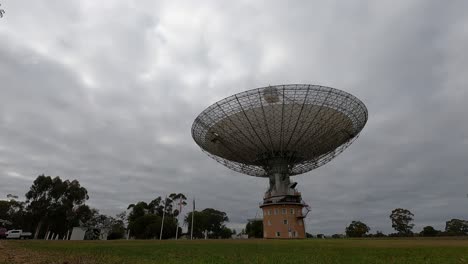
point(277, 132)
point(300, 126)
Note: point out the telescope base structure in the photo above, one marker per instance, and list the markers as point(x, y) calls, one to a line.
point(283, 217)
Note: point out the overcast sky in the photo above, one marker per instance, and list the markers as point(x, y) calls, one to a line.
point(105, 92)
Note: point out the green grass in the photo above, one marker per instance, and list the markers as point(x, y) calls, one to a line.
point(246, 251)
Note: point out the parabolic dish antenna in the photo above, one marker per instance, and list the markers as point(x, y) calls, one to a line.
point(277, 132)
point(300, 126)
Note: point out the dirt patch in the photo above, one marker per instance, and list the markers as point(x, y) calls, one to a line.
point(12, 252)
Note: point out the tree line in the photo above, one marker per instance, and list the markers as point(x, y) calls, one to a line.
point(145, 219)
point(55, 206)
point(402, 222)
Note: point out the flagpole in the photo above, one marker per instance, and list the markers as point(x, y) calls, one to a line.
point(177, 223)
point(162, 222)
point(193, 213)
point(177, 228)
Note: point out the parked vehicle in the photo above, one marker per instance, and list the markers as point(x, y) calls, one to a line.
point(18, 234)
point(3, 233)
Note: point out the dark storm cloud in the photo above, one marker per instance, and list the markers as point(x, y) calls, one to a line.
point(107, 93)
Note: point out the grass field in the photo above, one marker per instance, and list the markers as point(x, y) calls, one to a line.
point(441, 250)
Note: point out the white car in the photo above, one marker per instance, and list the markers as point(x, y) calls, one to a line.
point(18, 234)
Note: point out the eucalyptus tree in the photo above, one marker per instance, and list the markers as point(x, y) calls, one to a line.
point(53, 200)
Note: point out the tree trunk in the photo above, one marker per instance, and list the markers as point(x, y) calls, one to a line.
point(38, 228)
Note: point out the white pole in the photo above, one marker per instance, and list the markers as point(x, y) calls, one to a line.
point(162, 222)
point(177, 228)
point(193, 213)
point(46, 235)
point(177, 222)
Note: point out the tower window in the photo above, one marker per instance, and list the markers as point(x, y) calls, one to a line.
point(284, 211)
point(276, 211)
point(278, 234)
point(292, 211)
point(285, 221)
point(269, 211)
